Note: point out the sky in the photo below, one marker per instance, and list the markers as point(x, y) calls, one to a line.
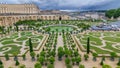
point(69, 4)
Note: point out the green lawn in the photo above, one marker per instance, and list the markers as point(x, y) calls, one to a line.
point(9, 41)
point(13, 49)
point(111, 39)
point(22, 38)
point(60, 28)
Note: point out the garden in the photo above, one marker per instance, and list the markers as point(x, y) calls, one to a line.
point(18, 42)
point(101, 42)
point(51, 44)
point(59, 28)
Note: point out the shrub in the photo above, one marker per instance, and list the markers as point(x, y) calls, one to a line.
point(67, 61)
point(37, 65)
point(73, 60)
point(17, 63)
point(118, 67)
point(69, 66)
point(50, 66)
point(1, 66)
point(24, 57)
point(42, 53)
point(22, 66)
point(101, 63)
point(106, 66)
point(118, 63)
point(41, 59)
point(60, 53)
point(78, 59)
point(86, 56)
point(81, 66)
point(51, 59)
point(6, 56)
point(94, 56)
point(113, 54)
point(1, 62)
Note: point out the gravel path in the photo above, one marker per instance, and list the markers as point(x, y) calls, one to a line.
point(59, 64)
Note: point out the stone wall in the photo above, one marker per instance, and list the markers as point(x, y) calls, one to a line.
point(11, 19)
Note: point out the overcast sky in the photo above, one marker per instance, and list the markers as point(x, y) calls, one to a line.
point(70, 4)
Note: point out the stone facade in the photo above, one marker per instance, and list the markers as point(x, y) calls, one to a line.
point(11, 19)
point(19, 8)
point(11, 13)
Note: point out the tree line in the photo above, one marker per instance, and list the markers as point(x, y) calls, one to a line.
point(115, 13)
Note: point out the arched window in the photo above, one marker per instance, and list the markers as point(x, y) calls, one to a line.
point(60, 18)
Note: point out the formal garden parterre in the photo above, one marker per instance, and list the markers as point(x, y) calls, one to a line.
point(50, 44)
point(101, 42)
point(18, 42)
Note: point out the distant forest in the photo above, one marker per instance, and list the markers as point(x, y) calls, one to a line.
point(115, 13)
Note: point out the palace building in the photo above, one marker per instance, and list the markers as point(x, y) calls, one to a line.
point(11, 13)
point(19, 8)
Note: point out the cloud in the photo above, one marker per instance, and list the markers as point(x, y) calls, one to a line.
point(70, 4)
point(103, 6)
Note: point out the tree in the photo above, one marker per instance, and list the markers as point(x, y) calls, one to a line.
point(17, 29)
point(103, 58)
point(42, 53)
point(94, 67)
point(101, 63)
point(88, 45)
point(1, 66)
point(67, 61)
point(73, 46)
point(52, 53)
point(106, 66)
point(86, 56)
point(73, 60)
point(32, 54)
point(78, 60)
point(67, 52)
point(24, 57)
point(113, 13)
point(17, 63)
point(37, 65)
point(110, 13)
point(22, 66)
point(41, 59)
point(6, 56)
point(30, 45)
point(63, 31)
point(1, 62)
point(67, 29)
point(76, 53)
point(2, 29)
point(113, 54)
point(57, 30)
point(60, 53)
point(52, 59)
point(81, 66)
point(69, 66)
point(50, 66)
point(118, 62)
point(15, 56)
point(118, 67)
point(37, 56)
point(117, 13)
point(94, 56)
point(8, 30)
